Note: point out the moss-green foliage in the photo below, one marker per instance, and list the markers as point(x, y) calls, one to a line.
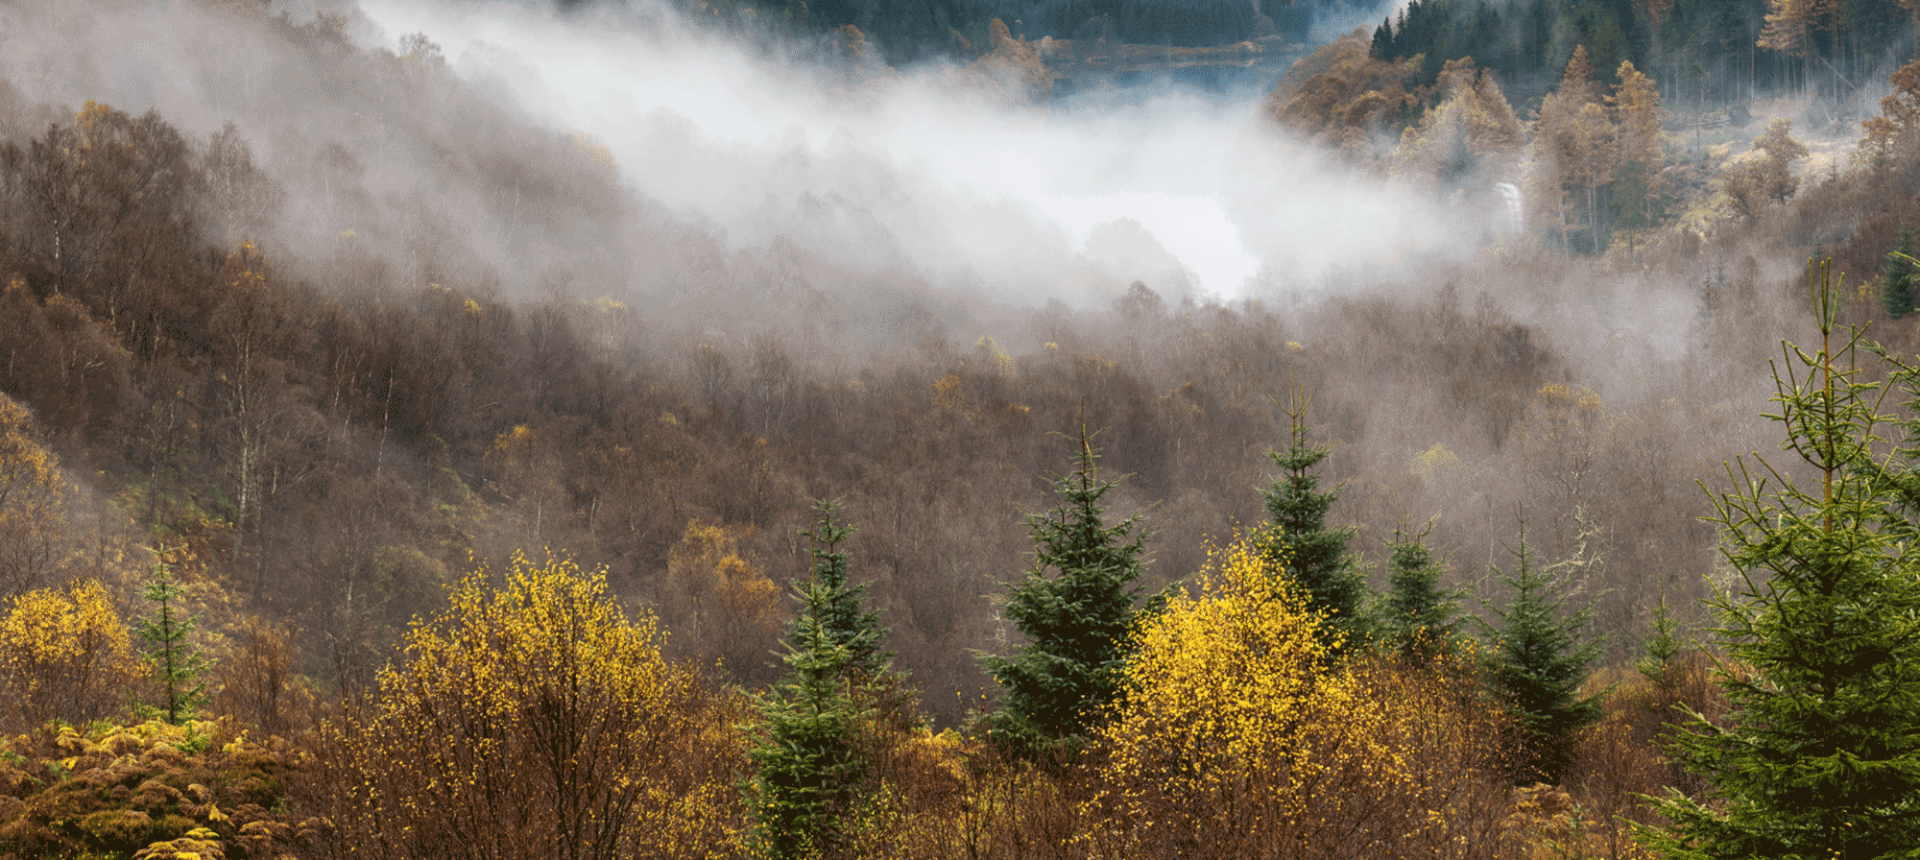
point(177, 666)
point(122, 791)
point(1822, 758)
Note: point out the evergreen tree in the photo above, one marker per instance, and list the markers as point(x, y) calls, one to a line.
point(1418, 619)
point(1076, 621)
point(1821, 757)
point(1312, 554)
point(1897, 280)
point(844, 616)
point(811, 776)
point(1538, 663)
point(177, 667)
point(1660, 662)
point(1382, 46)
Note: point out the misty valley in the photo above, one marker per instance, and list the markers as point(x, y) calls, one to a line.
point(959, 429)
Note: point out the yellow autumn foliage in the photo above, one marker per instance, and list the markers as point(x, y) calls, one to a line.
point(950, 395)
point(538, 718)
point(65, 653)
point(1241, 737)
point(1210, 741)
point(997, 359)
point(717, 601)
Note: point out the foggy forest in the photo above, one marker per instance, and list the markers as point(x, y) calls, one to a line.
point(959, 429)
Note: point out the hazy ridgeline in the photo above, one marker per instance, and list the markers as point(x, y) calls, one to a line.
point(498, 297)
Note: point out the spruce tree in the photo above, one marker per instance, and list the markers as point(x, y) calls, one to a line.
point(1821, 754)
point(178, 668)
point(809, 776)
point(811, 773)
point(1076, 609)
point(844, 616)
point(1418, 620)
point(1314, 556)
point(1537, 665)
point(1660, 661)
point(1898, 279)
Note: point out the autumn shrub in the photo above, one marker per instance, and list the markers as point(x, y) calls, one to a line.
point(148, 790)
point(532, 719)
point(719, 601)
point(65, 654)
point(924, 775)
point(1622, 760)
point(1239, 738)
point(965, 797)
point(255, 679)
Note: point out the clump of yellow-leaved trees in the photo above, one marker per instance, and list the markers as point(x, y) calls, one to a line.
point(533, 718)
point(1240, 736)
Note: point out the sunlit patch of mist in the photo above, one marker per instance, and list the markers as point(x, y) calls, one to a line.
point(915, 167)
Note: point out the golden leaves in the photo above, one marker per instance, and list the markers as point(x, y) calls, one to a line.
point(540, 689)
point(65, 653)
point(1220, 684)
point(1435, 463)
point(597, 154)
point(950, 396)
point(1636, 105)
point(715, 595)
point(1899, 115)
point(1240, 737)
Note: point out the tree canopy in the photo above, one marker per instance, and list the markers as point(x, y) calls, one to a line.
point(1075, 609)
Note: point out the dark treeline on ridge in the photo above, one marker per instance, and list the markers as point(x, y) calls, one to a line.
point(1706, 55)
point(907, 31)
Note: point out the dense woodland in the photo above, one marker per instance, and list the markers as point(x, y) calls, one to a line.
point(906, 31)
point(419, 489)
point(1707, 55)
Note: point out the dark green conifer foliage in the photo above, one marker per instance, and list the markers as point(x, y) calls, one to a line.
point(843, 614)
point(177, 667)
point(1076, 609)
point(1418, 620)
point(1898, 281)
point(1537, 664)
point(1821, 757)
point(811, 775)
point(1662, 653)
point(1314, 555)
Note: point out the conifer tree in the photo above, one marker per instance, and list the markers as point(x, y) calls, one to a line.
point(1898, 279)
point(811, 774)
point(1661, 654)
point(1821, 757)
point(177, 667)
point(1314, 555)
point(1076, 609)
point(844, 616)
point(1418, 619)
point(1538, 663)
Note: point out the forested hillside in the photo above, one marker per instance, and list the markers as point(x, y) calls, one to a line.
point(385, 473)
point(907, 31)
point(1706, 54)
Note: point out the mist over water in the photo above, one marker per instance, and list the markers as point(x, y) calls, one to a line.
point(915, 167)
